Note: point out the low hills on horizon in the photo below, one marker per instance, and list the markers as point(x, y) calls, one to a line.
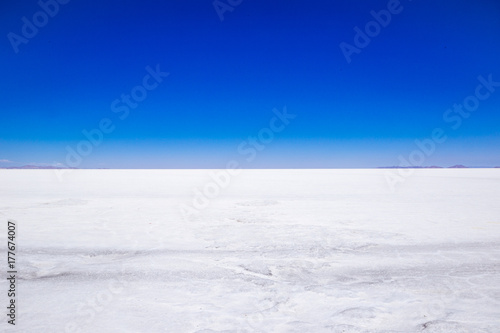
point(458, 166)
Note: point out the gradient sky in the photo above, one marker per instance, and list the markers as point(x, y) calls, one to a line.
point(226, 77)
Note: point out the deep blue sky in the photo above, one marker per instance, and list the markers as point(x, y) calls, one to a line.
point(225, 78)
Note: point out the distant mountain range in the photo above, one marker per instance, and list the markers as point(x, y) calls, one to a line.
point(458, 166)
point(35, 167)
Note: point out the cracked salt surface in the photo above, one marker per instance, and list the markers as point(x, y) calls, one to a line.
point(277, 251)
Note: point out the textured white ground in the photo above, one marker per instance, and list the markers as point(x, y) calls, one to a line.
point(276, 251)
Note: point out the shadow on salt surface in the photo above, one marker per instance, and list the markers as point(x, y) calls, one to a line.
point(317, 240)
point(248, 220)
point(66, 202)
point(63, 263)
point(441, 326)
point(43, 269)
point(364, 316)
point(257, 203)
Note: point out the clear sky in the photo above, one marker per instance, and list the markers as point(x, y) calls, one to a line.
point(352, 100)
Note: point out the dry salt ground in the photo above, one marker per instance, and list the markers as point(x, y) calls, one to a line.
point(275, 251)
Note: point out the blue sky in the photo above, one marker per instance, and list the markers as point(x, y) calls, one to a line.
point(225, 78)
